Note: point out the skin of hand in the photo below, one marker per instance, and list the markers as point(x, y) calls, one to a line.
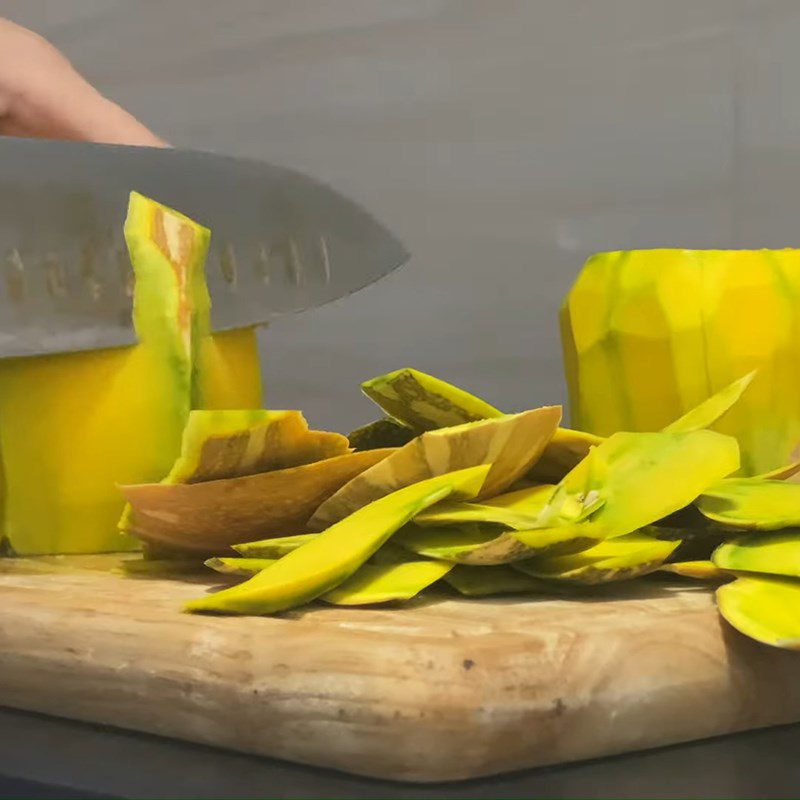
point(43, 96)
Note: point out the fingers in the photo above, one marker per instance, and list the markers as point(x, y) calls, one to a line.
point(43, 95)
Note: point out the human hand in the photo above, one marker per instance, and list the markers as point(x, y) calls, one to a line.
point(42, 95)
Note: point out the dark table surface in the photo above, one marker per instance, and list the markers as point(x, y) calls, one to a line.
point(47, 757)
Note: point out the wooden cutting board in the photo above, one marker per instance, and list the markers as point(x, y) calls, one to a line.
point(440, 689)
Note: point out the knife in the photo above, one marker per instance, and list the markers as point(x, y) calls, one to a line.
point(280, 242)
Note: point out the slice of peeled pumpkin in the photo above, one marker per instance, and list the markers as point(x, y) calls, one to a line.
point(481, 545)
point(709, 411)
point(220, 444)
point(238, 566)
point(372, 584)
point(154, 567)
point(642, 478)
point(335, 555)
point(697, 570)
point(777, 554)
point(509, 443)
point(568, 447)
point(494, 580)
point(564, 451)
point(763, 608)
point(276, 547)
point(228, 444)
point(617, 559)
point(751, 503)
point(518, 510)
point(784, 473)
point(425, 403)
point(389, 553)
point(212, 516)
point(381, 433)
point(385, 583)
point(628, 482)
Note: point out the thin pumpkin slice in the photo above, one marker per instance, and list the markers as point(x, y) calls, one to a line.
point(482, 545)
point(563, 453)
point(238, 566)
point(335, 555)
point(372, 583)
point(229, 444)
point(425, 403)
point(381, 433)
point(763, 608)
point(494, 580)
point(389, 553)
point(276, 547)
point(212, 516)
point(509, 443)
point(773, 553)
point(518, 510)
point(569, 447)
point(784, 473)
point(697, 570)
point(220, 444)
point(715, 407)
point(386, 583)
point(752, 504)
point(150, 566)
point(617, 559)
point(636, 479)
point(628, 482)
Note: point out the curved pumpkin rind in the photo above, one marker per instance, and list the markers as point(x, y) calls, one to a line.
point(617, 559)
point(697, 570)
point(752, 504)
point(775, 554)
point(336, 554)
point(764, 609)
point(386, 583)
point(425, 403)
point(212, 516)
point(509, 443)
point(518, 510)
point(485, 581)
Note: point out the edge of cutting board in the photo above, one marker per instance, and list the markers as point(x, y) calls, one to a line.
point(443, 689)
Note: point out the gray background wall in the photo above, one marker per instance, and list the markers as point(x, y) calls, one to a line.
point(503, 140)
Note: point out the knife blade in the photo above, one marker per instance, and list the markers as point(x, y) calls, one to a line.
point(280, 241)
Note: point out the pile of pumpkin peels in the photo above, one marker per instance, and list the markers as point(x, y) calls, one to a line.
point(448, 489)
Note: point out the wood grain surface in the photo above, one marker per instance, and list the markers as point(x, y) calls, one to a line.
point(439, 689)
